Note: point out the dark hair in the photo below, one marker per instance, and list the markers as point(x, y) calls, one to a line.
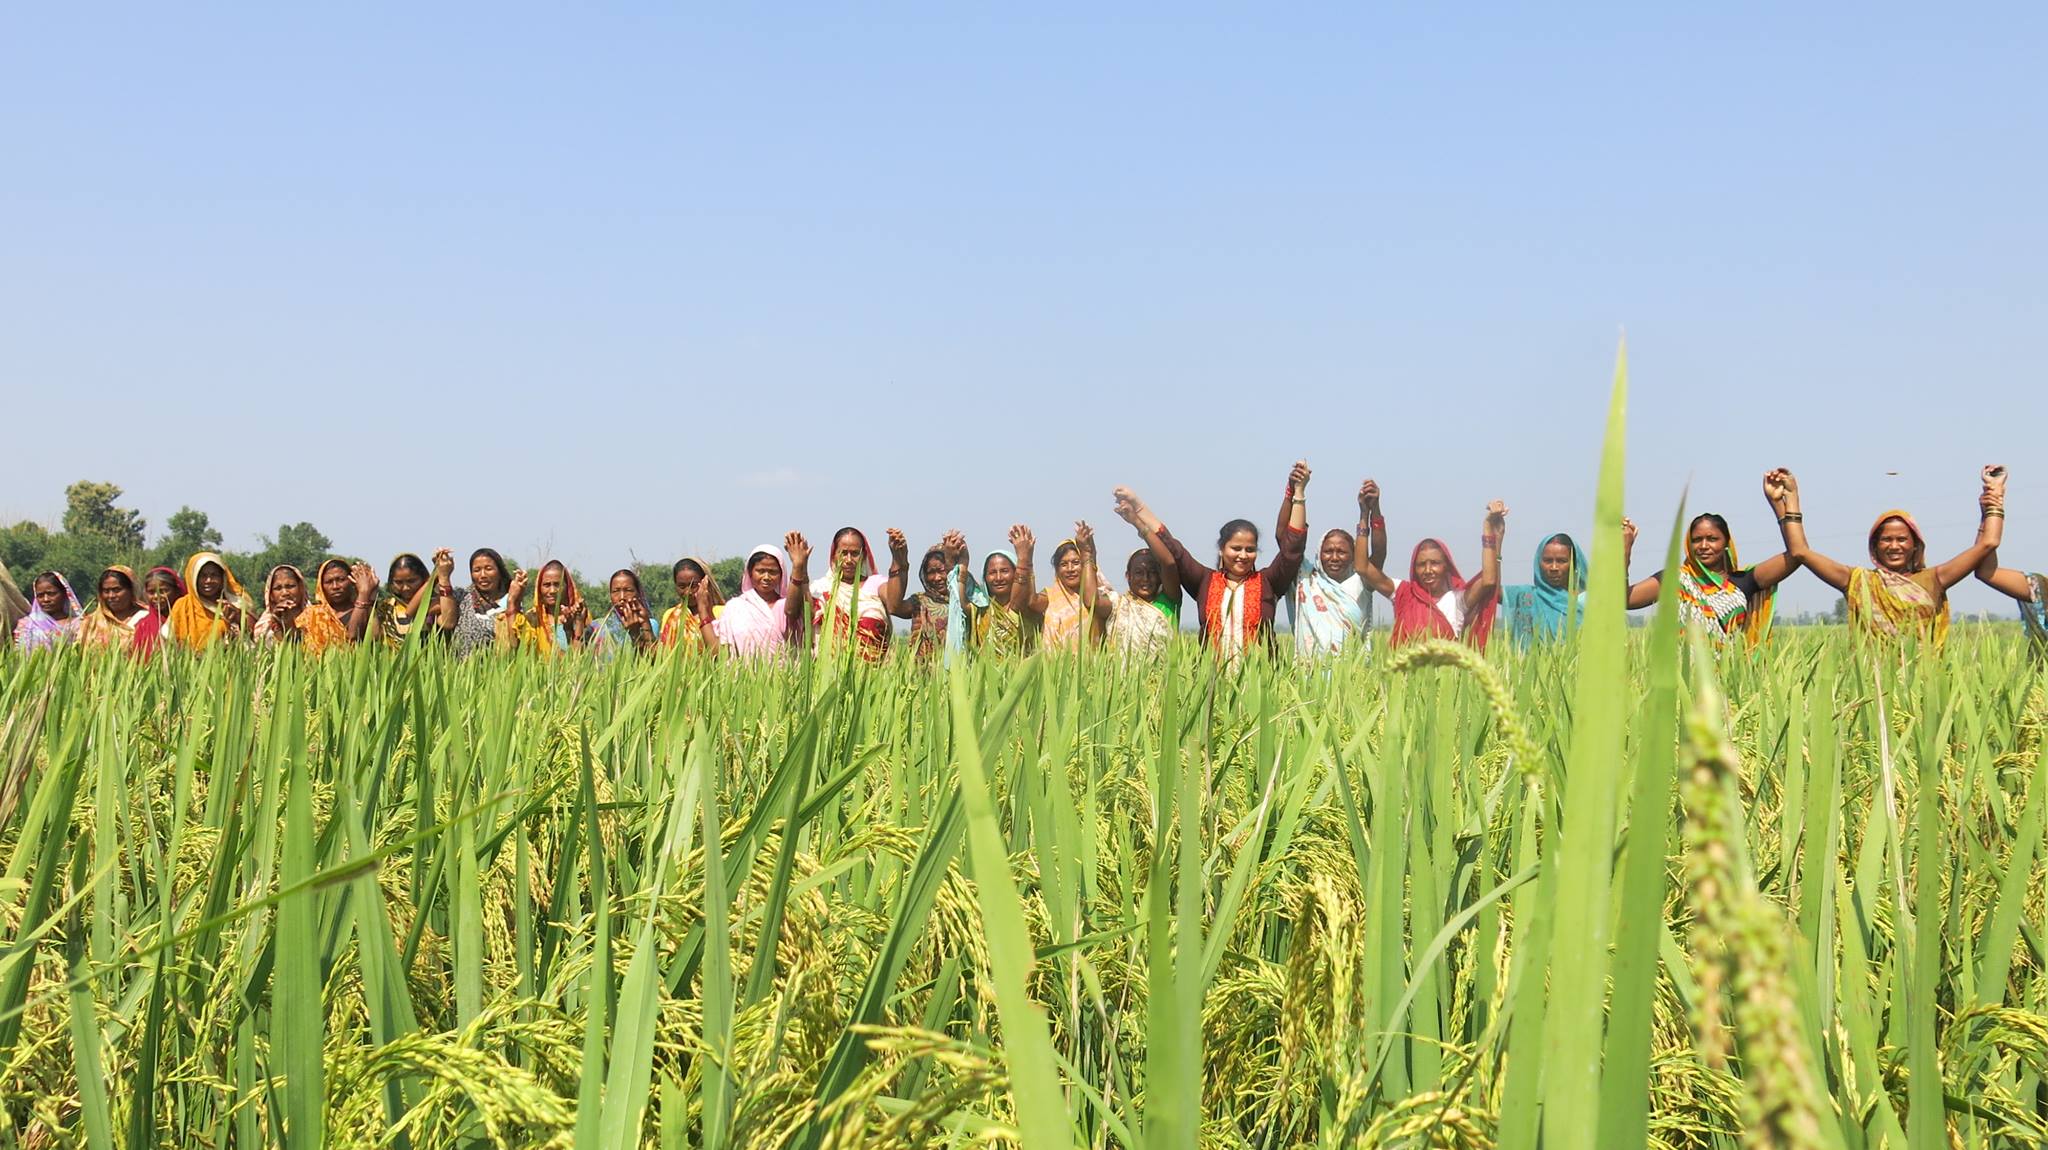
point(406, 562)
point(843, 532)
point(1719, 523)
point(55, 580)
point(1233, 527)
point(1348, 537)
point(629, 573)
point(1142, 558)
point(1561, 537)
point(683, 565)
point(1062, 549)
point(504, 572)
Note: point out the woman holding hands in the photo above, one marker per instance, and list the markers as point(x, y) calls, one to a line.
point(1062, 609)
point(1331, 607)
point(1435, 601)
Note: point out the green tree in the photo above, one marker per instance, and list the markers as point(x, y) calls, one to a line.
point(1841, 612)
point(299, 544)
point(90, 510)
point(728, 574)
point(23, 545)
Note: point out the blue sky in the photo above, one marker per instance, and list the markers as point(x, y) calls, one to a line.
point(612, 282)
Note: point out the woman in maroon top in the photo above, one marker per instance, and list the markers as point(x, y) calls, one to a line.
point(1236, 600)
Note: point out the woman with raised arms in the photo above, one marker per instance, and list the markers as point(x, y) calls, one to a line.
point(858, 601)
point(1140, 621)
point(927, 608)
point(1062, 610)
point(1715, 590)
point(417, 594)
point(1331, 607)
point(1435, 601)
point(979, 616)
point(1237, 598)
point(1898, 595)
point(773, 604)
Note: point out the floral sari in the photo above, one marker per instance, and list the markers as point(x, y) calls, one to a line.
point(1890, 605)
point(38, 630)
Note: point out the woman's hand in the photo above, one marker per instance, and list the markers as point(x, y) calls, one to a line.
point(444, 564)
point(799, 549)
point(1084, 539)
point(517, 590)
point(1297, 478)
point(952, 545)
point(1777, 488)
point(365, 581)
point(899, 545)
point(1022, 541)
point(702, 595)
point(633, 613)
point(1369, 498)
point(1994, 486)
point(1128, 505)
point(1628, 535)
point(1497, 517)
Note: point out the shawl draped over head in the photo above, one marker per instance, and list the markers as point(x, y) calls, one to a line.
point(1538, 611)
point(38, 630)
point(150, 631)
point(928, 625)
point(319, 628)
point(1329, 613)
point(195, 624)
point(102, 628)
point(680, 626)
point(1721, 608)
point(13, 604)
point(610, 635)
point(854, 605)
point(542, 629)
point(1416, 615)
point(991, 627)
point(1891, 604)
point(750, 624)
point(391, 619)
point(1064, 623)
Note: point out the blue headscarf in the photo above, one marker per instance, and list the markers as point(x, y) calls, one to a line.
point(1536, 610)
point(977, 595)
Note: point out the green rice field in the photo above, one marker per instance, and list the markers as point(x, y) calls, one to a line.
point(1620, 892)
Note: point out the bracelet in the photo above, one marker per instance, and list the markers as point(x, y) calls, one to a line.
point(1379, 523)
point(1489, 540)
point(1791, 517)
point(1997, 511)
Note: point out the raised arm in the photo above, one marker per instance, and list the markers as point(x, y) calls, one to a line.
point(1833, 573)
point(1372, 526)
point(1785, 509)
point(366, 596)
point(797, 604)
point(1290, 541)
point(1643, 594)
point(2005, 580)
point(1023, 598)
point(1092, 602)
point(1495, 529)
point(1990, 531)
point(444, 589)
point(1133, 511)
point(899, 572)
point(1371, 566)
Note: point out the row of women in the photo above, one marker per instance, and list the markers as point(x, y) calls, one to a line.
point(998, 608)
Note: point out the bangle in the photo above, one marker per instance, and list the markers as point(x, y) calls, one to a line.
point(1379, 523)
point(1997, 511)
point(1489, 540)
point(1791, 517)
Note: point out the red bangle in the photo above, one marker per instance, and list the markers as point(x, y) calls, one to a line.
point(1379, 522)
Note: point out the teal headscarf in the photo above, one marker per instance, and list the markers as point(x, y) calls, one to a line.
point(1536, 610)
point(956, 612)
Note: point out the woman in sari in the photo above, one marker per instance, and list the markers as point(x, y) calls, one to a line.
point(161, 590)
point(859, 601)
point(118, 617)
point(1140, 622)
point(1553, 602)
point(478, 606)
point(927, 608)
point(628, 626)
point(1060, 610)
point(558, 621)
point(292, 615)
point(698, 601)
point(979, 617)
point(773, 604)
point(1435, 601)
point(1898, 595)
point(417, 594)
point(216, 610)
point(1237, 599)
point(1726, 599)
point(1331, 607)
point(53, 616)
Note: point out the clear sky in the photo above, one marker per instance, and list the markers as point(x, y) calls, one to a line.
point(646, 281)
